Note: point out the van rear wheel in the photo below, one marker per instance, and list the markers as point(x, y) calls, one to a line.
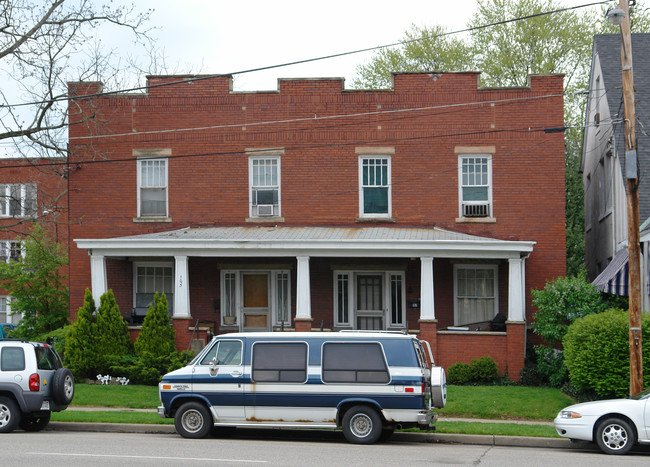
point(193, 420)
point(362, 425)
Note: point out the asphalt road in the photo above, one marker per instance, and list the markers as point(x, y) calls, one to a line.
point(279, 448)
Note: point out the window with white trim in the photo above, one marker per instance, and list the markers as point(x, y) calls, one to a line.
point(264, 182)
point(475, 185)
point(369, 300)
point(374, 186)
point(10, 250)
point(18, 200)
point(152, 187)
point(149, 279)
point(475, 293)
point(6, 315)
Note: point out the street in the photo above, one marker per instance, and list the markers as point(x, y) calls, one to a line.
point(257, 447)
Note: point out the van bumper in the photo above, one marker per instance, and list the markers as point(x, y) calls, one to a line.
point(427, 418)
point(161, 412)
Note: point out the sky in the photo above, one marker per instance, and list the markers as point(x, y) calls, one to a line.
point(217, 36)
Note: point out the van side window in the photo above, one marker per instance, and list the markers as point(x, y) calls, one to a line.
point(12, 359)
point(227, 353)
point(279, 362)
point(354, 363)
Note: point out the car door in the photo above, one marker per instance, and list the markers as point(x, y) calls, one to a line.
point(219, 377)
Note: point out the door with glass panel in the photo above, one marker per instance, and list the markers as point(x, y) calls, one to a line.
point(255, 301)
point(369, 303)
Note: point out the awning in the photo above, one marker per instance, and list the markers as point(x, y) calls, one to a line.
point(614, 277)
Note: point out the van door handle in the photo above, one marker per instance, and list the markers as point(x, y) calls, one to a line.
point(236, 373)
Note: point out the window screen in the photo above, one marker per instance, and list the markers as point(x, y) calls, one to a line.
point(354, 363)
point(280, 362)
point(12, 359)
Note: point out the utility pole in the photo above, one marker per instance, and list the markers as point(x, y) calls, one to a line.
point(632, 189)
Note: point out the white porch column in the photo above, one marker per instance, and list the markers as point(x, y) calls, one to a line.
point(98, 276)
point(516, 295)
point(303, 289)
point(181, 287)
point(427, 308)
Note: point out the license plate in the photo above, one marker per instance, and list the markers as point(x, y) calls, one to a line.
point(45, 405)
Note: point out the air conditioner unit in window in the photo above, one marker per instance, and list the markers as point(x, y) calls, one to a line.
point(476, 209)
point(264, 210)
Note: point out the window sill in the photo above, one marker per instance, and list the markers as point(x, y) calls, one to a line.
point(152, 219)
point(387, 220)
point(259, 220)
point(476, 220)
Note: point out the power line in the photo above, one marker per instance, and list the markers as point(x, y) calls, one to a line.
point(300, 62)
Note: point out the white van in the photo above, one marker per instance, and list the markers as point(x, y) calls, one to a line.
point(368, 383)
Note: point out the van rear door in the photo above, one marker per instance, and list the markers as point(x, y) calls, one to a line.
point(219, 377)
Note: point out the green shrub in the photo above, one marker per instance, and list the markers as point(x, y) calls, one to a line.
point(596, 351)
point(459, 373)
point(550, 364)
point(80, 354)
point(157, 336)
point(112, 332)
point(560, 303)
point(479, 370)
point(58, 336)
point(484, 370)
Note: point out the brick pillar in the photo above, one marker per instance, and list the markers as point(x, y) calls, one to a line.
point(516, 348)
point(429, 333)
point(302, 324)
point(182, 330)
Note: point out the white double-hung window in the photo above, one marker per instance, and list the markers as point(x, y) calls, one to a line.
point(475, 185)
point(18, 200)
point(374, 186)
point(264, 182)
point(152, 187)
point(475, 293)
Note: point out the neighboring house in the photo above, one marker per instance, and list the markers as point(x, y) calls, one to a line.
point(603, 164)
point(31, 190)
point(433, 207)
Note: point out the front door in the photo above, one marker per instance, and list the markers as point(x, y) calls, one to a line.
point(370, 310)
point(255, 300)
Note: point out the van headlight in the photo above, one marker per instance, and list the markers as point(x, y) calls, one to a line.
point(569, 414)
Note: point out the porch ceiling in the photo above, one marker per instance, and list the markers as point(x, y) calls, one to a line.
point(308, 241)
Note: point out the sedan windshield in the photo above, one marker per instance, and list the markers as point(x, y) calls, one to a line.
point(642, 395)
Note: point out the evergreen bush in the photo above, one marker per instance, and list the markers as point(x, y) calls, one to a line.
point(112, 332)
point(157, 336)
point(80, 349)
point(596, 351)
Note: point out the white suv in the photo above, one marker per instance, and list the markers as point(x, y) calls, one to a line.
point(33, 384)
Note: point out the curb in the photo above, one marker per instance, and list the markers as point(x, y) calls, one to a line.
point(433, 438)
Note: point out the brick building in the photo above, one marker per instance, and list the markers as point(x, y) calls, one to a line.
point(31, 191)
point(432, 207)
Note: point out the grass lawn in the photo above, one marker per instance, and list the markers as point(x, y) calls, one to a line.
point(487, 402)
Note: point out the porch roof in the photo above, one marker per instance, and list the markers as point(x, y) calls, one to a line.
point(308, 241)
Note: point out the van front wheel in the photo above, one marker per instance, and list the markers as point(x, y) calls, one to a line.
point(362, 425)
point(193, 420)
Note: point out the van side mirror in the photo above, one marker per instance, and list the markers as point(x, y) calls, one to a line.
point(213, 367)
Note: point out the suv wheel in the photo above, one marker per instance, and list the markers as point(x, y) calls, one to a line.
point(35, 423)
point(9, 415)
point(63, 386)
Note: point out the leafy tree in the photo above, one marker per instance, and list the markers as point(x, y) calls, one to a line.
point(36, 285)
point(80, 346)
point(157, 336)
point(112, 331)
point(560, 303)
point(506, 53)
